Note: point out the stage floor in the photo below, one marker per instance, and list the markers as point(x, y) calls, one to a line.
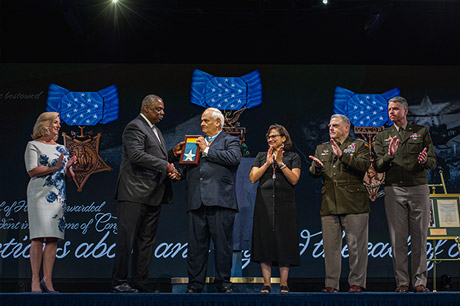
point(253, 299)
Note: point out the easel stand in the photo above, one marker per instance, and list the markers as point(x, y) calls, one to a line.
point(439, 260)
point(444, 222)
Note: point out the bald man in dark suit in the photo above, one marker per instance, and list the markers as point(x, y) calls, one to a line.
point(143, 185)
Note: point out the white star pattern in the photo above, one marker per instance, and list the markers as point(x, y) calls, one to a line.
point(81, 115)
point(233, 85)
point(374, 123)
point(355, 117)
point(361, 112)
point(82, 105)
point(368, 117)
point(356, 107)
point(95, 116)
point(361, 122)
point(82, 94)
point(373, 102)
point(220, 84)
point(89, 100)
point(219, 105)
point(239, 100)
point(233, 95)
point(96, 106)
point(74, 121)
point(219, 95)
point(213, 100)
point(76, 100)
point(381, 108)
point(225, 100)
point(74, 110)
point(88, 111)
point(87, 121)
point(232, 105)
point(368, 97)
point(240, 91)
point(68, 116)
point(189, 156)
point(226, 79)
point(69, 104)
point(374, 113)
point(381, 118)
point(361, 102)
point(226, 89)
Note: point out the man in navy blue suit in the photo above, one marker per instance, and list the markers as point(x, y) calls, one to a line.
point(211, 203)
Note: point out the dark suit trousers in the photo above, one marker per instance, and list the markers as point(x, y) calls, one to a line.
point(137, 227)
point(205, 223)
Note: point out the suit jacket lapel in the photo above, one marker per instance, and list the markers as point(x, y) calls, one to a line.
point(162, 144)
point(155, 138)
point(218, 138)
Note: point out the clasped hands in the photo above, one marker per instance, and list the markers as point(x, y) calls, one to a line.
point(171, 170)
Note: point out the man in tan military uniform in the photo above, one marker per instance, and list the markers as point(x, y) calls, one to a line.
point(342, 163)
point(404, 152)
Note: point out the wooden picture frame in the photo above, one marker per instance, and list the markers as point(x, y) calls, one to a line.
point(444, 216)
point(190, 153)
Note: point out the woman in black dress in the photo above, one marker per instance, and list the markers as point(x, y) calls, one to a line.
point(274, 236)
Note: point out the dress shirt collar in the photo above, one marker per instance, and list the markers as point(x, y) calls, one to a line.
point(404, 127)
point(209, 139)
point(148, 121)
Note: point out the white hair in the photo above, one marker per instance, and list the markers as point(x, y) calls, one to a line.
point(217, 114)
point(342, 118)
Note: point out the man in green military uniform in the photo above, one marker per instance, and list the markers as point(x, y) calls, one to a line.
point(404, 152)
point(342, 163)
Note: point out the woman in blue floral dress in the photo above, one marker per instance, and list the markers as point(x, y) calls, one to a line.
point(47, 164)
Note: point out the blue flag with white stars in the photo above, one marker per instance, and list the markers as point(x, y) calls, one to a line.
point(83, 108)
point(364, 109)
point(227, 93)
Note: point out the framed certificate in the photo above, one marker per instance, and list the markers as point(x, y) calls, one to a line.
point(190, 153)
point(444, 215)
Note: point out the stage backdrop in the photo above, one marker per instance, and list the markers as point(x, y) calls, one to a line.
point(299, 97)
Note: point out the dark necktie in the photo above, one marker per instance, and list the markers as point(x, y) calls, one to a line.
point(401, 132)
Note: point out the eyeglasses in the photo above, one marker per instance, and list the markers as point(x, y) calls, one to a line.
point(272, 136)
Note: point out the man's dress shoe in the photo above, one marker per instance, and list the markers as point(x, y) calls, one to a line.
point(421, 288)
point(403, 289)
point(329, 290)
point(193, 289)
point(355, 289)
point(124, 288)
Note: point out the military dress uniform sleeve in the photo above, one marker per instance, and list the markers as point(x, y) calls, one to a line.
point(431, 157)
point(314, 171)
point(360, 161)
point(382, 160)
